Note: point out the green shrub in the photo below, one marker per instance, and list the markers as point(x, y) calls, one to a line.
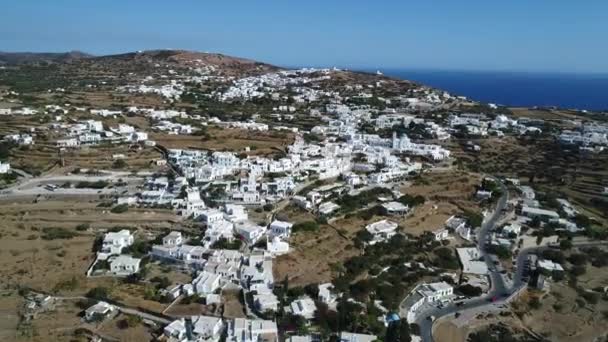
point(99, 293)
point(307, 226)
point(92, 185)
point(82, 227)
point(53, 233)
point(119, 209)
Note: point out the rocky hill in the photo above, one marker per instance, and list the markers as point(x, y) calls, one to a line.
point(14, 58)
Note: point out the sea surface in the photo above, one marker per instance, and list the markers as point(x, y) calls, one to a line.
point(572, 91)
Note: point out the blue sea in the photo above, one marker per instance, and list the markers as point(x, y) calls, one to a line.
point(572, 91)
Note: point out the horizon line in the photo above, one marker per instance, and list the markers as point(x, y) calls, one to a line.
point(345, 66)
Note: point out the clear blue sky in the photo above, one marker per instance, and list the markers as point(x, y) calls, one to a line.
point(526, 35)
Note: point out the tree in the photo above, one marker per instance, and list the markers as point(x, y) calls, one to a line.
point(565, 244)
point(119, 209)
point(307, 226)
point(474, 219)
point(578, 259)
point(578, 270)
point(469, 290)
point(445, 258)
point(392, 332)
point(404, 331)
point(535, 223)
point(119, 164)
point(99, 293)
point(129, 322)
point(535, 303)
point(161, 282)
point(502, 252)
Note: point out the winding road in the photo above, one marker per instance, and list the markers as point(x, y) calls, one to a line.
point(499, 287)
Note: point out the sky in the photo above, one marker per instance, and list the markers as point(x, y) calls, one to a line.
point(511, 35)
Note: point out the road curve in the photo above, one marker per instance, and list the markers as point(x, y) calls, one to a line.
point(498, 286)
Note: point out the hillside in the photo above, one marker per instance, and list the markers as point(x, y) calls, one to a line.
point(14, 58)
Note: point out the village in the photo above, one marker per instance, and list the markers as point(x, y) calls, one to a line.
point(359, 164)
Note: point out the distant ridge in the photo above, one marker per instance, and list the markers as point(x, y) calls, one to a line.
point(232, 65)
point(41, 57)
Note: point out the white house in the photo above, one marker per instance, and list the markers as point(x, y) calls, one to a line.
point(124, 265)
point(124, 129)
point(98, 311)
point(304, 307)
point(426, 293)
point(354, 337)
point(206, 282)
point(250, 232)
point(173, 239)
point(540, 213)
point(211, 216)
point(327, 208)
point(176, 330)
point(257, 276)
point(266, 302)
point(483, 195)
point(381, 231)
point(441, 234)
point(235, 213)
point(549, 265)
point(71, 142)
point(472, 263)
point(302, 202)
point(460, 227)
point(246, 330)
point(115, 242)
point(527, 192)
point(395, 208)
point(326, 295)
point(4, 167)
point(511, 229)
point(280, 229)
point(207, 328)
point(276, 246)
point(219, 230)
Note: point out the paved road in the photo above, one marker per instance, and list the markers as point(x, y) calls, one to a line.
point(35, 186)
point(499, 287)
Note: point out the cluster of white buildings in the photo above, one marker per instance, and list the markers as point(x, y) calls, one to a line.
point(22, 139)
point(219, 268)
point(592, 137)
point(171, 91)
point(92, 132)
point(271, 84)
point(111, 251)
point(480, 125)
point(195, 329)
point(530, 209)
point(18, 111)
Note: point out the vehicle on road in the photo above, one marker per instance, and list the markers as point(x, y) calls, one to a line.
point(51, 187)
